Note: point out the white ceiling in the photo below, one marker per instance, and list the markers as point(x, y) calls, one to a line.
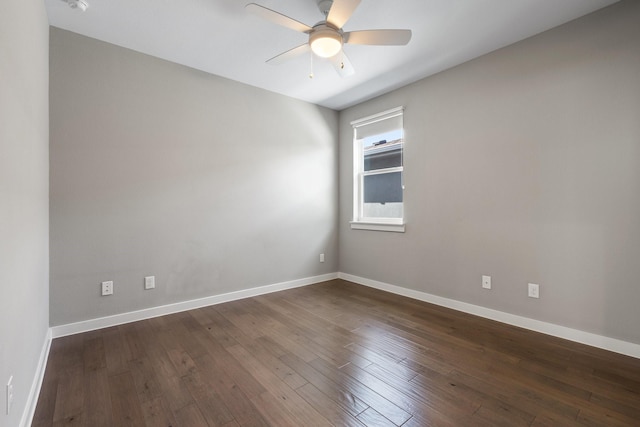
point(220, 37)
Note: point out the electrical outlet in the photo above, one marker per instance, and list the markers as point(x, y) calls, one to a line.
point(150, 282)
point(107, 288)
point(534, 290)
point(486, 282)
point(9, 394)
point(321, 257)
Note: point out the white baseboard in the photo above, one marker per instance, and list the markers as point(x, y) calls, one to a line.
point(133, 316)
point(606, 343)
point(36, 385)
point(594, 340)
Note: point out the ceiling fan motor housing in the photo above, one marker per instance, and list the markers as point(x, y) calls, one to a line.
point(325, 40)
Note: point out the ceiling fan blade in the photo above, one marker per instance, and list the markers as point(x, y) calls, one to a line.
point(291, 53)
point(341, 11)
point(342, 64)
point(378, 37)
point(277, 18)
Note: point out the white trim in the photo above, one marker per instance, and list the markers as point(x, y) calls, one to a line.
point(383, 171)
point(147, 313)
point(377, 226)
point(606, 343)
point(36, 385)
point(393, 112)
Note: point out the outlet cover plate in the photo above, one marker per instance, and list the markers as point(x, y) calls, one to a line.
point(107, 288)
point(486, 282)
point(534, 290)
point(150, 282)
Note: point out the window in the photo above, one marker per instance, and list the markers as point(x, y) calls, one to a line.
point(378, 184)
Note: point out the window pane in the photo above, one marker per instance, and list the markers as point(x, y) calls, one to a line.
point(383, 154)
point(383, 188)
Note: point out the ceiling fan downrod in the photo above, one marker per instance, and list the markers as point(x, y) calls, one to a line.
point(325, 6)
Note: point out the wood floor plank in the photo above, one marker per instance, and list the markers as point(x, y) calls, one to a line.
point(254, 329)
point(372, 418)
point(166, 377)
point(69, 394)
point(269, 359)
point(390, 392)
point(300, 409)
point(212, 407)
point(499, 413)
point(620, 407)
point(275, 365)
point(144, 377)
point(327, 407)
point(436, 394)
point(273, 411)
point(329, 348)
point(334, 353)
point(336, 392)
point(65, 352)
point(46, 405)
point(94, 355)
point(545, 419)
point(442, 400)
point(157, 413)
point(181, 361)
point(221, 360)
point(116, 351)
point(70, 421)
point(132, 340)
point(223, 386)
point(190, 415)
point(381, 358)
point(373, 399)
point(220, 336)
point(528, 399)
point(127, 410)
point(97, 409)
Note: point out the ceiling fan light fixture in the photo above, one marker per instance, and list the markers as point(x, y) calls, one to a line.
point(327, 38)
point(325, 42)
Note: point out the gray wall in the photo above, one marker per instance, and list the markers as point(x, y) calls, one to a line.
point(524, 165)
point(24, 197)
point(157, 169)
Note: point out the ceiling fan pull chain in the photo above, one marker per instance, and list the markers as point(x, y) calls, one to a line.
point(311, 66)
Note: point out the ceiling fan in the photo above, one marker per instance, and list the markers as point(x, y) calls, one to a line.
point(326, 38)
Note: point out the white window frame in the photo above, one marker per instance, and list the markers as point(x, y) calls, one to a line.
point(359, 221)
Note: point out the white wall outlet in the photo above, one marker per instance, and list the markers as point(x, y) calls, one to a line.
point(107, 288)
point(9, 394)
point(321, 257)
point(150, 282)
point(486, 282)
point(534, 290)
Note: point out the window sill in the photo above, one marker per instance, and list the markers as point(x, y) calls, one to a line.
point(376, 226)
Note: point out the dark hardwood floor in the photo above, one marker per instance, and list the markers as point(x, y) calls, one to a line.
point(332, 354)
